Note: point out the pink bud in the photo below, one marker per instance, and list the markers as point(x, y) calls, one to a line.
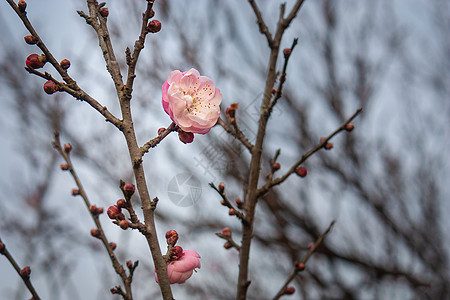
point(301, 266)
point(113, 245)
point(99, 210)
point(67, 148)
point(161, 130)
point(301, 171)
point(64, 167)
point(113, 212)
point(124, 224)
point(25, 272)
point(35, 61)
point(154, 26)
point(185, 137)
point(75, 192)
point(93, 209)
point(289, 290)
point(30, 40)
point(128, 190)
point(227, 245)
point(65, 64)
point(129, 264)
point(50, 87)
point(221, 187)
point(171, 237)
point(232, 212)
point(328, 146)
point(95, 233)
point(349, 127)
point(22, 6)
point(104, 12)
point(177, 253)
point(287, 52)
point(276, 166)
point(239, 203)
point(226, 231)
point(121, 203)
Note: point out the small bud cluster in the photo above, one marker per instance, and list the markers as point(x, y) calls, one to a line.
point(95, 211)
point(114, 212)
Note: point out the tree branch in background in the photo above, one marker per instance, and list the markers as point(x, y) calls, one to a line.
point(94, 212)
point(300, 266)
point(23, 273)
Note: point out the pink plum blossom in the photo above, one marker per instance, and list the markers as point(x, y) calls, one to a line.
point(182, 269)
point(192, 101)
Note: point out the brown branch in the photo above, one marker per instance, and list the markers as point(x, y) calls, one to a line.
point(73, 89)
point(25, 277)
point(262, 25)
point(227, 203)
point(230, 240)
point(155, 141)
point(237, 133)
point(264, 189)
point(100, 233)
point(282, 77)
point(252, 192)
point(300, 266)
point(138, 46)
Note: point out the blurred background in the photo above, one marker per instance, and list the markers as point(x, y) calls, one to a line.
point(385, 183)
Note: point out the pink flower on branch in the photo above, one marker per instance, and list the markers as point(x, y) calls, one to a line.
point(182, 268)
point(192, 101)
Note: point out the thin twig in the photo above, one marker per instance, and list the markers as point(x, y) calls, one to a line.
point(282, 77)
point(26, 279)
point(227, 203)
point(237, 133)
point(264, 189)
point(230, 240)
point(262, 25)
point(101, 235)
point(155, 141)
point(300, 266)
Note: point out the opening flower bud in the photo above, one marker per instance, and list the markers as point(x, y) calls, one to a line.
point(65, 64)
point(301, 171)
point(171, 237)
point(35, 61)
point(154, 26)
point(30, 40)
point(113, 212)
point(185, 137)
point(50, 87)
point(176, 253)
